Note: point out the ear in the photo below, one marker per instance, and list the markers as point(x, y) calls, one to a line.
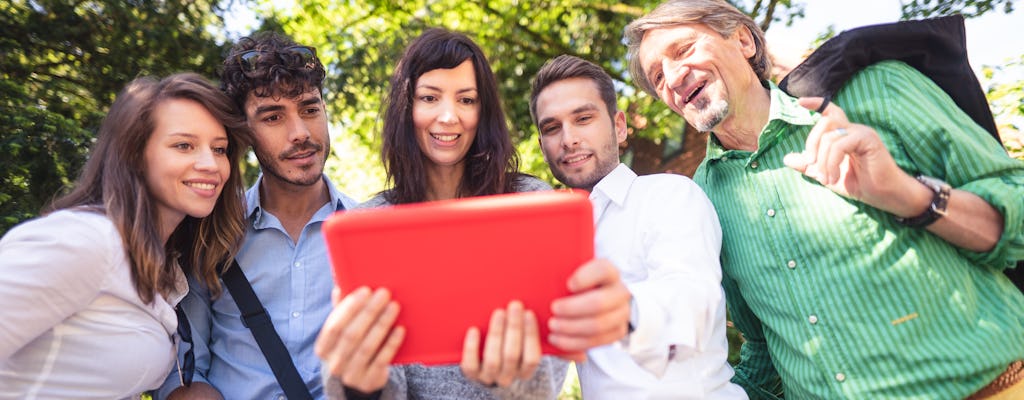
point(746, 42)
point(620, 126)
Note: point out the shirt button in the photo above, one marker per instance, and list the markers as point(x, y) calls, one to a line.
point(791, 264)
point(753, 165)
point(840, 377)
point(296, 314)
point(813, 319)
point(297, 264)
point(770, 212)
point(281, 397)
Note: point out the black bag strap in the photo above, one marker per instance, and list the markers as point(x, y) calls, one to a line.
point(936, 47)
point(255, 317)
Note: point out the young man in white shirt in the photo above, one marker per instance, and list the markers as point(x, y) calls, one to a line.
point(660, 230)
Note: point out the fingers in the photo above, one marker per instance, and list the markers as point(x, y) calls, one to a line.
point(596, 314)
point(832, 111)
point(338, 319)
point(335, 296)
point(492, 348)
point(827, 143)
point(470, 364)
point(512, 345)
point(357, 341)
point(594, 273)
point(531, 346)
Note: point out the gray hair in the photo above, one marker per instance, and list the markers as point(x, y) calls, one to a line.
point(718, 15)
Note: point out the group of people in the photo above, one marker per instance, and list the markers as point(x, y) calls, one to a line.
point(859, 248)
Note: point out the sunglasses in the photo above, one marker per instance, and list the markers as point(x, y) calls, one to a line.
point(248, 60)
point(186, 366)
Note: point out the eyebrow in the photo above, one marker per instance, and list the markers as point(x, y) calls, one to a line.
point(460, 91)
point(579, 110)
point(194, 136)
point(278, 107)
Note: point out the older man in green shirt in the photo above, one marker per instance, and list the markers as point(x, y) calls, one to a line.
point(853, 269)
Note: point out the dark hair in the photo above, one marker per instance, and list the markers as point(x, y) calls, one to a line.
point(565, 67)
point(718, 15)
point(113, 182)
point(278, 74)
point(491, 163)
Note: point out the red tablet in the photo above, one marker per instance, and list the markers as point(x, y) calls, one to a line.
point(450, 264)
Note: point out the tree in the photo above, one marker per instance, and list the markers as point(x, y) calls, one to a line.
point(969, 8)
point(63, 62)
point(361, 43)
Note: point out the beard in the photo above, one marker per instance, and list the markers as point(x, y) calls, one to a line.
point(710, 114)
point(606, 159)
point(308, 176)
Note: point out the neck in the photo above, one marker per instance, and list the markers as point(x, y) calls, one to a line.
point(443, 181)
point(741, 129)
point(292, 204)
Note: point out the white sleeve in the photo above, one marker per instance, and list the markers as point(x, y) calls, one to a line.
point(50, 268)
point(678, 303)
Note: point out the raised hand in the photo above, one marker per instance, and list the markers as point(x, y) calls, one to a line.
point(357, 342)
point(851, 160)
point(596, 314)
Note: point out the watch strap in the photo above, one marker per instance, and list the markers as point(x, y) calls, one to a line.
point(935, 210)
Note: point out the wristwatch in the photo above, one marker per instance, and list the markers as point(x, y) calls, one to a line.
point(935, 210)
point(633, 317)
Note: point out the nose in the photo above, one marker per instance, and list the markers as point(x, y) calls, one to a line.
point(675, 73)
point(447, 113)
point(570, 138)
point(206, 160)
point(298, 132)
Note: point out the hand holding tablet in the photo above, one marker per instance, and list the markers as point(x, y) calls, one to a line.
point(450, 264)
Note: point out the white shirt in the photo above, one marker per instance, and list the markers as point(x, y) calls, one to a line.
point(71, 322)
point(662, 232)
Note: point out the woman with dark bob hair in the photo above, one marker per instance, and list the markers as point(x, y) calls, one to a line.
point(444, 137)
point(89, 289)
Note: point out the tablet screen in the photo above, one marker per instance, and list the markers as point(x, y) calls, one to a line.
point(450, 264)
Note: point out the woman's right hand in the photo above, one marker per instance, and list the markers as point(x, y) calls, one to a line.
point(357, 342)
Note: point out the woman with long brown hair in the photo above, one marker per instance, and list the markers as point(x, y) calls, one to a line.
point(89, 289)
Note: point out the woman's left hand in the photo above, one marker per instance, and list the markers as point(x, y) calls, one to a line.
point(511, 349)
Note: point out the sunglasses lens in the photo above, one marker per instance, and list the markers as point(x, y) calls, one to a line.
point(248, 60)
point(306, 53)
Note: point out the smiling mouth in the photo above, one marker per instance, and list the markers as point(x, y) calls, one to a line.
point(201, 186)
point(576, 159)
point(695, 92)
point(445, 138)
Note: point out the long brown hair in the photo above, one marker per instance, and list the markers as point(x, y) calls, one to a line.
point(113, 182)
point(492, 164)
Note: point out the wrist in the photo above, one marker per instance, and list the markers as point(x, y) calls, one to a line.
point(916, 198)
point(939, 193)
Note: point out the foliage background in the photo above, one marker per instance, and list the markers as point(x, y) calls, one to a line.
point(62, 62)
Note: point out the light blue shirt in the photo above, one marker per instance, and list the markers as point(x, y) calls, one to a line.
point(292, 280)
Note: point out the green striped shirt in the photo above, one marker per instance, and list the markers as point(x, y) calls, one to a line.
point(832, 295)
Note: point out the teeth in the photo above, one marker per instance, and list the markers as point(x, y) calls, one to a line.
point(445, 138)
point(575, 159)
point(201, 186)
point(694, 93)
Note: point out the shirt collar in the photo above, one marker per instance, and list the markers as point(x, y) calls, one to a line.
point(783, 109)
point(615, 185)
point(254, 210)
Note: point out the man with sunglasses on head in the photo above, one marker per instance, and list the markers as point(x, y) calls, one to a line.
point(278, 84)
